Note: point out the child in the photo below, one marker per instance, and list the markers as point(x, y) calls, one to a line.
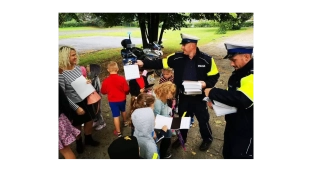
point(163, 92)
point(124, 148)
point(92, 72)
point(67, 132)
point(116, 88)
point(167, 75)
point(143, 120)
point(137, 86)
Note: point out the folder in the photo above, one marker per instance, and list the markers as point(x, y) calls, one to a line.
point(172, 123)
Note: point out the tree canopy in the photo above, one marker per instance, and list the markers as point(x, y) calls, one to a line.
point(149, 23)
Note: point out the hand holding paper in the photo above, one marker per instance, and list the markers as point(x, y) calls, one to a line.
point(220, 108)
point(82, 88)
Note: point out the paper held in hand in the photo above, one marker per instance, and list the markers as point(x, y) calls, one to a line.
point(220, 108)
point(131, 72)
point(82, 88)
point(172, 123)
point(192, 87)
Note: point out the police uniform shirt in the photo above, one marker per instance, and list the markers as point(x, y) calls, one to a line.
point(190, 70)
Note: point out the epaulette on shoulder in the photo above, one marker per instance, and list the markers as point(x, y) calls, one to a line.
point(204, 54)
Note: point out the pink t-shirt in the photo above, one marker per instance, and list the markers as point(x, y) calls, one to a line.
point(84, 71)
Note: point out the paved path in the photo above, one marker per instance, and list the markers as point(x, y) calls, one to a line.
point(96, 43)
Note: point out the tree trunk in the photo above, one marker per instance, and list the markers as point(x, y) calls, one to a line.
point(154, 24)
point(149, 26)
point(162, 31)
point(141, 18)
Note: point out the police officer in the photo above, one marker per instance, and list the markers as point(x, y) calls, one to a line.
point(192, 65)
point(238, 134)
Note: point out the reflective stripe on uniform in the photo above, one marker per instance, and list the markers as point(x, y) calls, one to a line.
point(155, 156)
point(247, 86)
point(214, 69)
point(165, 61)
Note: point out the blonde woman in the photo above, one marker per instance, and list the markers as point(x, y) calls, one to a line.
point(164, 92)
point(69, 71)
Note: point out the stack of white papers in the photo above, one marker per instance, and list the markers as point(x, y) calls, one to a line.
point(220, 108)
point(192, 87)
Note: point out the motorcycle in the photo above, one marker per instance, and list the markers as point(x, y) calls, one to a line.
point(132, 53)
point(154, 51)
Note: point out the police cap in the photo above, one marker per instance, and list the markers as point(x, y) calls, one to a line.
point(188, 39)
point(234, 49)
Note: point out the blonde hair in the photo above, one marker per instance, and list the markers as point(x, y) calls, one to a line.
point(162, 90)
point(64, 53)
point(170, 70)
point(141, 101)
point(112, 66)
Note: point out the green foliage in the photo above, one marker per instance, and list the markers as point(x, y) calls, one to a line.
point(63, 17)
point(248, 24)
point(222, 29)
point(74, 23)
point(116, 19)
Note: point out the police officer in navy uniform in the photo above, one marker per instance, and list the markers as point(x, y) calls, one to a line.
point(238, 134)
point(193, 65)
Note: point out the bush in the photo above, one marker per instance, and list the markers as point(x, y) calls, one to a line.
point(91, 23)
point(248, 24)
point(222, 28)
point(132, 24)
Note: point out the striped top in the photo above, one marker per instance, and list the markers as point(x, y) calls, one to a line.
point(65, 80)
point(163, 79)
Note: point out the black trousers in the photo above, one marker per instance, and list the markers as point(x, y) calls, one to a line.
point(196, 105)
point(236, 146)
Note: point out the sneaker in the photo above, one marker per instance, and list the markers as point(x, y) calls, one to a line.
point(118, 134)
point(95, 124)
point(126, 124)
point(99, 127)
point(205, 145)
point(168, 155)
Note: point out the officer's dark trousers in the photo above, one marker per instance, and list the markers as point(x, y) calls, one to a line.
point(195, 104)
point(235, 146)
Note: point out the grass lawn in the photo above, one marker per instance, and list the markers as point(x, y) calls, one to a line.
point(171, 40)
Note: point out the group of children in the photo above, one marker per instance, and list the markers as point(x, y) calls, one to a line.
point(147, 101)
